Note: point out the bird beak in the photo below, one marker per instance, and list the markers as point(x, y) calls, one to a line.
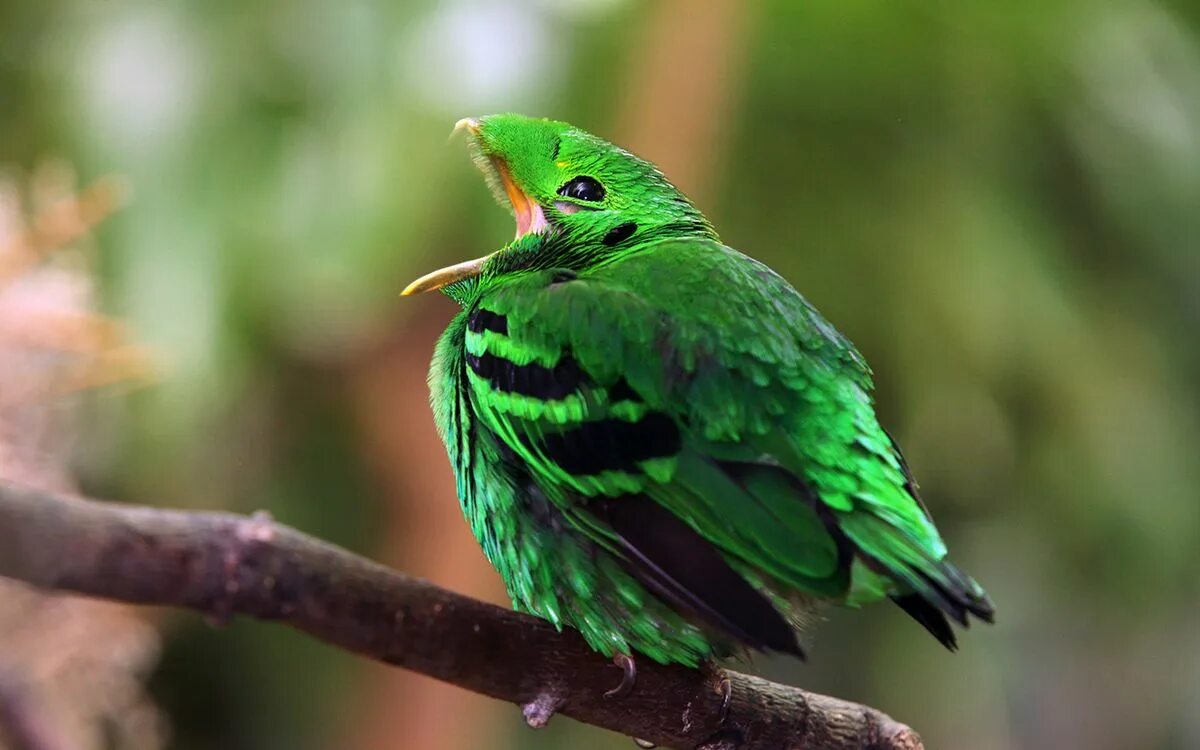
point(469, 124)
point(446, 276)
point(530, 217)
point(530, 220)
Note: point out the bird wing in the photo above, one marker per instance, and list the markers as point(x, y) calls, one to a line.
point(691, 378)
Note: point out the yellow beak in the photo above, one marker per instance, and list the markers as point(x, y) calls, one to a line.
point(530, 219)
point(446, 276)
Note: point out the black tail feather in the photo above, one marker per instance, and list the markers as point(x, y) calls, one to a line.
point(935, 600)
point(930, 617)
point(964, 594)
point(938, 601)
point(957, 596)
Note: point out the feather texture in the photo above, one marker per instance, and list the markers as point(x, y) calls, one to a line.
point(659, 441)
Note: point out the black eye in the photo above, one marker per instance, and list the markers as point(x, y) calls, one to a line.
point(583, 188)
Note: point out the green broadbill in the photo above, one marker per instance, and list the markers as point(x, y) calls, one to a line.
point(658, 441)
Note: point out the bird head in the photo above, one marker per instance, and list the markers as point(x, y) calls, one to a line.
point(578, 199)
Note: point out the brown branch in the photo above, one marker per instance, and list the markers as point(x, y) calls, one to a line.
point(224, 564)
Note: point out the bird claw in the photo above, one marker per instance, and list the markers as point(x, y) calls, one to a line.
point(723, 687)
point(726, 688)
point(628, 676)
point(724, 738)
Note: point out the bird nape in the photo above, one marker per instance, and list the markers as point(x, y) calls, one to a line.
point(657, 440)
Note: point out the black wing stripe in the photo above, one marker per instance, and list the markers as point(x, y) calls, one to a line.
point(481, 320)
point(537, 381)
point(612, 444)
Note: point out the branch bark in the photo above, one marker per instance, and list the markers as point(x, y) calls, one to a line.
point(224, 564)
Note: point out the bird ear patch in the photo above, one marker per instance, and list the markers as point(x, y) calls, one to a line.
point(619, 233)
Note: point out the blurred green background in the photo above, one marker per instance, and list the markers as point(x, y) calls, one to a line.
point(999, 202)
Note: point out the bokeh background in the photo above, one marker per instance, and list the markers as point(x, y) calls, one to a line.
point(999, 202)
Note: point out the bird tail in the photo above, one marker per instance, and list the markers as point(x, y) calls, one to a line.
point(928, 587)
point(933, 603)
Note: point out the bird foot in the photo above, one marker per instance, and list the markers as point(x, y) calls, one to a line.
point(725, 738)
point(726, 688)
point(723, 688)
point(628, 676)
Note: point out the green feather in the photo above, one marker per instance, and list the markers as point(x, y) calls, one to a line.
point(657, 440)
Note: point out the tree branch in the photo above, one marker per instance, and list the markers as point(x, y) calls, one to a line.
point(223, 564)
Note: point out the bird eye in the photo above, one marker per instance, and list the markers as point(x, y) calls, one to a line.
point(583, 188)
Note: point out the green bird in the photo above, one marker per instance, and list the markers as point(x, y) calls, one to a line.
point(657, 440)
